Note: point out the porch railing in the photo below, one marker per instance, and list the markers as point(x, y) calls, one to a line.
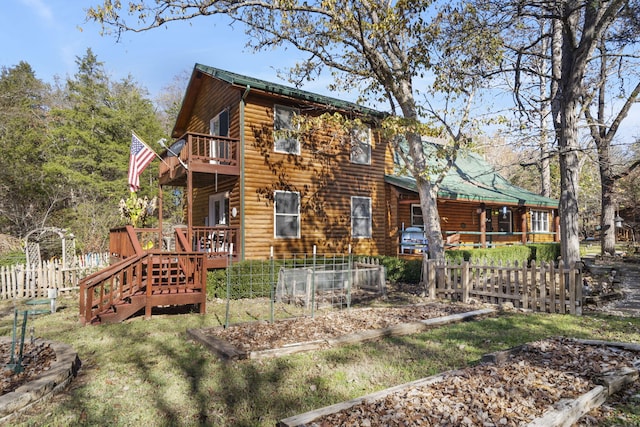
point(220, 239)
point(203, 149)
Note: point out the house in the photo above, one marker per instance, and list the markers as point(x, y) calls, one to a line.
point(477, 206)
point(256, 184)
point(258, 181)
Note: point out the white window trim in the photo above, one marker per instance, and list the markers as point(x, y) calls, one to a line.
point(370, 217)
point(276, 214)
point(540, 218)
point(358, 143)
point(276, 139)
point(413, 224)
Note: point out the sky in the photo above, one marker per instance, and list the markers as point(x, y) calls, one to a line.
point(51, 34)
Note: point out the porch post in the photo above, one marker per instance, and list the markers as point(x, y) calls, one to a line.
point(160, 237)
point(483, 226)
point(523, 225)
point(556, 222)
point(190, 197)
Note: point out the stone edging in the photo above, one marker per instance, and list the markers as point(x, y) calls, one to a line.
point(44, 386)
point(226, 351)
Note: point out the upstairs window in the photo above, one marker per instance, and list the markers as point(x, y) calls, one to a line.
point(360, 216)
point(539, 221)
point(361, 145)
point(287, 214)
point(285, 132)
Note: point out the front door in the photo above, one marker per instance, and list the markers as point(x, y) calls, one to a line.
point(219, 209)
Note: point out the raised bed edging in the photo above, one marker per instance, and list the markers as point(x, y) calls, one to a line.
point(226, 351)
point(565, 412)
point(44, 386)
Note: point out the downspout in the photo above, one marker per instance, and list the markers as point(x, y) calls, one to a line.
point(242, 187)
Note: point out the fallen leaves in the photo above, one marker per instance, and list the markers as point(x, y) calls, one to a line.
point(36, 358)
point(257, 336)
point(513, 393)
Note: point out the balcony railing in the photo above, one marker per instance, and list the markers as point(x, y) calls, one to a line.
point(201, 153)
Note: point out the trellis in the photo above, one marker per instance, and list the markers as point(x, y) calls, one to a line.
point(45, 241)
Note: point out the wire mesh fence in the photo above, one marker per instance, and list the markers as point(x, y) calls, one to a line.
point(294, 285)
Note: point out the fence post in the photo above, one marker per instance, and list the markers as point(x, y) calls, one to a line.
point(525, 286)
point(562, 287)
point(572, 290)
point(464, 279)
point(577, 275)
point(431, 278)
point(313, 283)
point(273, 284)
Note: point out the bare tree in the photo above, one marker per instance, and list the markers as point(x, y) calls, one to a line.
point(576, 27)
point(603, 127)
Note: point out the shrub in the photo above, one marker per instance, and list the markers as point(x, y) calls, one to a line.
point(545, 252)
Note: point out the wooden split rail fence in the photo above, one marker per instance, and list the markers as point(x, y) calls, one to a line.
point(541, 287)
point(33, 281)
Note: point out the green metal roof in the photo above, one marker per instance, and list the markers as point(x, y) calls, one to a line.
point(279, 89)
point(473, 179)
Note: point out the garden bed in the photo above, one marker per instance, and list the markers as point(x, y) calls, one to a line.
point(550, 382)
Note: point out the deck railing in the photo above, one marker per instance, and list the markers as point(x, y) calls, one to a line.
point(154, 272)
point(202, 149)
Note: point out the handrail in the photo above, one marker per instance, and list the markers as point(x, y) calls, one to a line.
point(121, 280)
point(123, 242)
point(121, 276)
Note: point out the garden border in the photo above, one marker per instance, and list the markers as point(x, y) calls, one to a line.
point(226, 351)
point(564, 413)
point(44, 386)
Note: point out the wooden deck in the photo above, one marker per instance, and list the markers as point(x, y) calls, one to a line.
point(142, 282)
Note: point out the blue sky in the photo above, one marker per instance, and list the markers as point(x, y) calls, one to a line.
point(51, 34)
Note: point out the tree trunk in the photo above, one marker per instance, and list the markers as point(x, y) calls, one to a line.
point(569, 176)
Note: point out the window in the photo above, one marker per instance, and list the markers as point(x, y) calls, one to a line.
point(285, 131)
point(504, 220)
point(539, 221)
point(360, 216)
point(416, 216)
point(219, 126)
point(287, 214)
point(361, 145)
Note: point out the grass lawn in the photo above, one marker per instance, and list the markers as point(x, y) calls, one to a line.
point(146, 372)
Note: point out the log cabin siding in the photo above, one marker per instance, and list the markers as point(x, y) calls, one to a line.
point(323, 176)
point(214, 97)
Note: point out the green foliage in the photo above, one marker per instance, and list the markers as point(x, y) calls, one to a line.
point(503, 254)
point(544, 252)
point(136, 210)
point(25, 197)
point(12, 258)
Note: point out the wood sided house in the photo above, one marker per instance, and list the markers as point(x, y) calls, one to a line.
point(255, 182)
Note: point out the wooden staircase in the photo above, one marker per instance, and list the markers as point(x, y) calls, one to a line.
point(141, 282)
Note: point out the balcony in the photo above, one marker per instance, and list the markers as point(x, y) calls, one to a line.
point(202, 155)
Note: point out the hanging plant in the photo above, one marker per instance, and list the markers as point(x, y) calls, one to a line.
point(136, 211)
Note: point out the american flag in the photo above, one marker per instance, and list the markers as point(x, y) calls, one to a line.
point(141, 156)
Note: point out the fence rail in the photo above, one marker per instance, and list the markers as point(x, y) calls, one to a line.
point(539, 287)
point(34, 280)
